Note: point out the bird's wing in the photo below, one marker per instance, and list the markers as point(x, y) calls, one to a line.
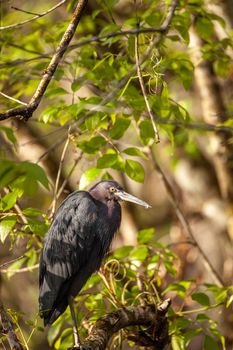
point(67, 246)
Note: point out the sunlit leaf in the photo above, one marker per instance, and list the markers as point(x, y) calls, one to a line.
point(134, 170)
point(88, 176)
point(201, 298)
point(133, 151)
point(6, 227)
point(146, 235)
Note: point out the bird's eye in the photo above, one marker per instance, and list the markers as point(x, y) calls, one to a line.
point(112, 189)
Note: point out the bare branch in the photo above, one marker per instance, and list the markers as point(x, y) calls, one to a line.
point(27, 111)
point(184, 222)
point(13, 99)
point(96, 38)
point(53, 205)
point(149, 315)
point(143, 88)
point(16, 25)
point(11, 261)
point(69, 175)
point(23, 269)
point(8, 329)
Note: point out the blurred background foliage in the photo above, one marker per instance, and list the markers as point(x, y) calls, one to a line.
point(93, 124)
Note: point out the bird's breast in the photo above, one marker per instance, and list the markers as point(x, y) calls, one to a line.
point(109, 218)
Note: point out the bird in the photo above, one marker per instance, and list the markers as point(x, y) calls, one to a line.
point(75, 245)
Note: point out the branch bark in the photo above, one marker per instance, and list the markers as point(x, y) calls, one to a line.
point(27, 111)
point(150, 315)
point(8, 329)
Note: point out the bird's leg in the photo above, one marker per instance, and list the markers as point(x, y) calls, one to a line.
point(77, 343)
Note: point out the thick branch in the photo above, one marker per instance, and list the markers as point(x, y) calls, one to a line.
point(150, 315)
point(27, 111)
point(8, 329)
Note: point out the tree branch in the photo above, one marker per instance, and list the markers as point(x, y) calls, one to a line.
point(16, 25)
point(184, 222)
point(27, 111)
point(165, 27)
point(143, 88)
point(8, 329)
point(150, 315)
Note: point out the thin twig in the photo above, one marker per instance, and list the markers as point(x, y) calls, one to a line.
point(23, 269)
point(143, 88)
point(96, 38)
point(11, 261)
point(27, 111)
point(16, 25)
point(184, 222)
point(13, 99)
point(69, 175)
point(124, 80)
point(25, 11)
point(59, 175)
point(75, 124)
point(51, 148)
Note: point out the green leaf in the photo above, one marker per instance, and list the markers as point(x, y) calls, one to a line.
point(54, 92)
point(15, 266)
point(107, 161)
point(181, 290)
point(32, 212)
point(177, 342)
point(229, 301)
point(6, 226)
point(210, 343)
point(204, 28)
point(34, 173)
point(146, 132)
point(122, 252)
point(92, 122)
point(88, 176)
point(134, 170)
point(146, 235)
point(93, 145)
point(201, 298)
point(139, 253)
point(54, 331)
point(8, 172)
point(119, 128)
point(9, 200)
point(133, 151)
point(76, 85)
point(9, 134)
point(202, 317)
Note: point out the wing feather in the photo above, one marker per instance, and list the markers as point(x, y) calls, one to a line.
point(67, 246)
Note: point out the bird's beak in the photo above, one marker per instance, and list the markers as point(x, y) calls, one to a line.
point(129, 198)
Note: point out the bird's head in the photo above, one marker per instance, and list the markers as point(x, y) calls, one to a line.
point(110, 190)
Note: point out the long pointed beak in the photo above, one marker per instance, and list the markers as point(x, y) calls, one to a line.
point(129, 198)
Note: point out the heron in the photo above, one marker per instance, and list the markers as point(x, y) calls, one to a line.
point(79, 237)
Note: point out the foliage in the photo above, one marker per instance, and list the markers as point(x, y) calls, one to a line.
point(114, 133)
point(132, 274)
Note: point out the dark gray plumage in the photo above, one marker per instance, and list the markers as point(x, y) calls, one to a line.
point(76, 243)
